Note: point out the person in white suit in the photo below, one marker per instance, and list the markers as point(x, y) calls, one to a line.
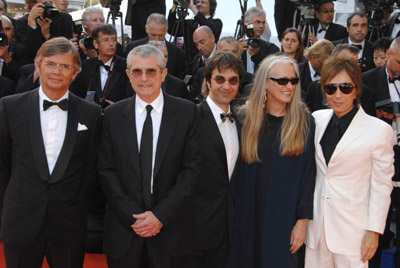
point(354, 159)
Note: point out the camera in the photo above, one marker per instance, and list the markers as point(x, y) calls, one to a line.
point(253, 42)
point(110, 3)
point(375, 10)
point(184, 3)
point(3, 36)
point(50, 12)
point(391, 108)
point(78, 29)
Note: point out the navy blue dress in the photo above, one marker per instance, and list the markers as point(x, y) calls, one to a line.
point(271, 196)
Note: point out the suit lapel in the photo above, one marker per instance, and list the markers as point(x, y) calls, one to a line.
point(167, 128)
point(36, 136)
point(384, 86)
point(69, 140)
point(115, 76)
point(129, 133)
point(352, 133)
point(321, 122)
point(212, 130)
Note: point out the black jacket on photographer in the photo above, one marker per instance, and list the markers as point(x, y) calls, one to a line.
point(191, 26)
point(11, 69)
point(266, 48)
point(32, 39)
point(116, 88)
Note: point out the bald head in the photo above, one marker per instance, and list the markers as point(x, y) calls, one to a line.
point(204, 40)
point(8, 28)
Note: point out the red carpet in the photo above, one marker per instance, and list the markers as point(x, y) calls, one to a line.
point(91, 260)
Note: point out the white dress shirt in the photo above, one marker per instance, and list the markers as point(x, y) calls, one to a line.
point(228, 133)
point(53, 123)
point(156, 115)
point(313, 73)
point(104, 74)
point(361, 50)
point(321, 35)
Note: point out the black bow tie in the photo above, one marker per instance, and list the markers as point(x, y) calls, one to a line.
point(105, 66)
point(230, 116)
point(321, 30)
point(397, 20)
point(316, 74)
point(394, 79)
point(357, 46)
point(62, 104)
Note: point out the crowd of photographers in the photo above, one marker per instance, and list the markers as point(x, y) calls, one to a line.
point(103, 78)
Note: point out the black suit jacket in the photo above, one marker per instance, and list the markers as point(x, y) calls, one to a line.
point(305, 78)
point(390, 23)
point(7, 86)
point(266, 49)
point(376, 79)
point(89, 79)
point(214, 192)
point(30, 192)
point(334, 32)
point(367, 60)
point(176, 169)
point(176, 57)
point(175, 87)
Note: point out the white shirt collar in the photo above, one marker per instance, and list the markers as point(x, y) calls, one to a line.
point(362, 43)
point(43, 96)
point(312, 71)
point(157, 103)
point(216, 110)
point(204, 59)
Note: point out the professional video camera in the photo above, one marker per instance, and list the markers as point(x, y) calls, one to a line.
point(110, 3)
point(3, 36)
point(253, 42)
point(391, 108)
point(184, 3)
point(50, 12)
point(375, 9)
point(78, 29)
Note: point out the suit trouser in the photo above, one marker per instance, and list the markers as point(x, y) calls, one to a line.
point(150, 253)
point(140, 12)
point(32, 256)
point(214, 258)
point(323, 257)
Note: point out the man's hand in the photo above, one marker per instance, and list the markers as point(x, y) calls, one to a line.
point(36, 11)
point(298, 235)
point(44, 26)
point(193, 8)
point(91, 53)
point(369, 245)
point(312, 38)
point(4, 54)
point(253, 51)
point(243, 46)
point(146, 225)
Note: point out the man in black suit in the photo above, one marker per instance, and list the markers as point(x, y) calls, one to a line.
point(219, 145)
point(204, 40)
point(392, 26)
point(326, 28)
point(252, 55)
point(357, 27)
point(385, 82)
point(149, 161)
point(171, 85)
point(310, 70)
point(48, 142)
point(104, 76)
point(156, 29)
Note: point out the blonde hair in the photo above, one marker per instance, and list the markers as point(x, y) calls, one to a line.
point(295, 126)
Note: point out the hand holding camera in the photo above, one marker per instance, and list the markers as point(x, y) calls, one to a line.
point(43, 12)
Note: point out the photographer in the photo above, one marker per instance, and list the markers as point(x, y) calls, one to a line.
point(254, 49)
point(43, 22)
point(204, 11)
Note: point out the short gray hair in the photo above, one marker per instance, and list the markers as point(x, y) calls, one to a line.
point(157, 18)
point(229, 40)
point(254, 11)
point(90, 10)
point(158, 44)
point(146, 51)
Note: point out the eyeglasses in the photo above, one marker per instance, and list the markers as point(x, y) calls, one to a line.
point(345, 88)
point(233, 81)
point(53, 66)
point(150, 73)
point(285, 81)
point(328, 11)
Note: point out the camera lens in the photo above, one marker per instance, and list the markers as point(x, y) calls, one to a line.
point(88, 43)
point(254, 43)
point(3, 39)
point(50, 12)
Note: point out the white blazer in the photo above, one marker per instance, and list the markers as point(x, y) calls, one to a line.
point(352, 193)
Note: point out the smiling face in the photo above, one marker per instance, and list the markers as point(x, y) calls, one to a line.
point(341, 103)
point(280, 95)
point(203, 6)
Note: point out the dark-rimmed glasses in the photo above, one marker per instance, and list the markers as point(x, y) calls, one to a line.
point(345, 88)
point(285, 81)
point(233, 81)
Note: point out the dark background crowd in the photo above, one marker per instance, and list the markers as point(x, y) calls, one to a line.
point(367, 38)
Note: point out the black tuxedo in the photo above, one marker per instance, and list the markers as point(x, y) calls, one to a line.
point(266, 49)
point(176, 57)
point(367, 60)
point(305, 78)
point(175, 87)
point(376, 79)
point(7, 87)
point(390, 23)
point(56, 200)
point(89, 79)
point(214, 193)
point(334, 32)
point(25, 81)
point(176, 168)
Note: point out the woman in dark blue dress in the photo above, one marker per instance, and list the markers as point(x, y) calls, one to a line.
point(274, 197)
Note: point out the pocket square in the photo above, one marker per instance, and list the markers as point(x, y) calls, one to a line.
point(81, 127)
